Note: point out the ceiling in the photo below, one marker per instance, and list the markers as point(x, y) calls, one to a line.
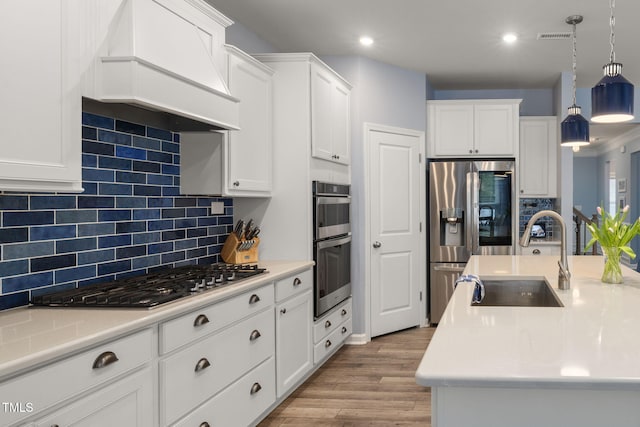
point(456, 43)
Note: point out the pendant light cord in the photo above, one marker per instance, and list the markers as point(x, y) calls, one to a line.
point(574, 64)
point(612, 38)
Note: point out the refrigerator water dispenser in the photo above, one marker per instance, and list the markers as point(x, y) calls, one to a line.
point(452, 230)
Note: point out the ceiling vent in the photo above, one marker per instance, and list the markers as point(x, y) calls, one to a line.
point(558, 35)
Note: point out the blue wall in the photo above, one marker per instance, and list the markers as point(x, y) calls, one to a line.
point(130, 219)
point(535, 102)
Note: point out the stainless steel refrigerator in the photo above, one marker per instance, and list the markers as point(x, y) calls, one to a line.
point(472, 208)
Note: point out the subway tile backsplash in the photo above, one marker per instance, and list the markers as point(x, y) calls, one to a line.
point(528, 207)
point(131, 218)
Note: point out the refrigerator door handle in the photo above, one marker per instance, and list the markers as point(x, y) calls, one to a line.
point(449, 269)
point(471, 218)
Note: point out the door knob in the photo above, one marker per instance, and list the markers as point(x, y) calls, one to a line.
point(377, 244)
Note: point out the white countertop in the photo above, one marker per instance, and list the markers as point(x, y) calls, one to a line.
point(591, 342)
point(35, 335)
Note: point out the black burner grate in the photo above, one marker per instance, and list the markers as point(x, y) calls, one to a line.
point(151, 290)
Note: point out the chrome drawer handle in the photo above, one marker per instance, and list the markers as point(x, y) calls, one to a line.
point(327, 344)
point(200, 320)
point(202, 364)
point(105, 359)
point(536, 251)
point(344, 329)
point(254, 299)
point(283, 311)
point(344, 312)
point(204, 424)
point(236, 183)
point(297, 282)
point(254, 335)
point(256, 387)
point(327, 324)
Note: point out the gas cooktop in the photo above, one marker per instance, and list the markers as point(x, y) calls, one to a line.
point(151, 290)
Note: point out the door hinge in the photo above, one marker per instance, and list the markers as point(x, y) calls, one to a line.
point(420, 227)
point(419, 157)
point(420, 295)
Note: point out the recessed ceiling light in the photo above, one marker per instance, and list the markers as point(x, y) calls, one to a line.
point(509, 38)
point(366, 41)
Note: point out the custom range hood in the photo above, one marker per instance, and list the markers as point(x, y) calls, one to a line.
point(168, 56)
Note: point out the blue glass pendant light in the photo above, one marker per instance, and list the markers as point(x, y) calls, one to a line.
point(612, 97)
point(574, 129)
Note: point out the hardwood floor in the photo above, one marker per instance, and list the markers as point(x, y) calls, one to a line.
point(363, 385)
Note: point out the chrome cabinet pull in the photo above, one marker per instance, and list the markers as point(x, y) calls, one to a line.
point(254, 335)
point(202, 364)
point(283, 311)
point(377, 244)
point(296, 282)
point(343, 312)
point(105, 359)
point(327, 344)
point(254, 299)
point(256, 387)
point(200, 320)
point(204, 424)
point(327, 324)
point(236, 183)
point(536, 251)
point(344, 329)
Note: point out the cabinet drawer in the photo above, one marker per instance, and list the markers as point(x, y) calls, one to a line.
point(199, 323)
point(191, 376)
point(329, 323)
point(53, 384)
point(541, 250)
point(241, 403)
point(294, 285)
point(333, 341)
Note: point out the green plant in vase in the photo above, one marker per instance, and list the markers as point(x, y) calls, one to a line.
point(614, 236)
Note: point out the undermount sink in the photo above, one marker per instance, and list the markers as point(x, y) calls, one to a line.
point(518, 293)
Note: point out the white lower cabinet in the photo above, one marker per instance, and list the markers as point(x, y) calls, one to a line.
point(294, 317)
point(545, 249)
point(331, 331)
point(128, 402)
point(241, 403)
point(82, 375)
point(194, 374)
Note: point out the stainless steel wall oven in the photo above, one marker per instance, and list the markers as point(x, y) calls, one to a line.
point(331, 245)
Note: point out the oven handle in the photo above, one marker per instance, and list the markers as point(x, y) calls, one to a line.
point(333, 242)
point(332, 200)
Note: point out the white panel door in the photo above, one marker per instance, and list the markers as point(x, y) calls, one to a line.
point(395, 231)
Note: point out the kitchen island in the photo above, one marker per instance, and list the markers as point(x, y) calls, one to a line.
point(576, 365)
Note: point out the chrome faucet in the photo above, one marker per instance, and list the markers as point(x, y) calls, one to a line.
point(564, 276)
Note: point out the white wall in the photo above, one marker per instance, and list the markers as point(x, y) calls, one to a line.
point(246, 40)
point(382, 94)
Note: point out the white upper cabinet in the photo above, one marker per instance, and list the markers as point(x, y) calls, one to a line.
point(237, 162)
point(41, 104)
point(482, 128)
point(538, 157)
point(330, 106)
point(250, 149)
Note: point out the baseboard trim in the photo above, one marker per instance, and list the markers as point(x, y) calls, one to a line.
point(357, 339)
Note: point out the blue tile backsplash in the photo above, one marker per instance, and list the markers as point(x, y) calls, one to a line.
point(131, 218)
point(528, 207)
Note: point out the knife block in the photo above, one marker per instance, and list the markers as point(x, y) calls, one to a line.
point(233, 254)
